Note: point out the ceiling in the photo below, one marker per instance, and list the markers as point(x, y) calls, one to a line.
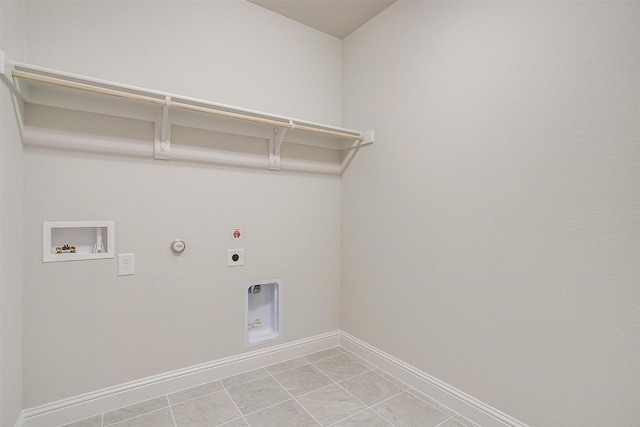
point(338, 18)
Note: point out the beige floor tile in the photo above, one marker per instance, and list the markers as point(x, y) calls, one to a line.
point(332, 388)
point(439, 406)
point(370, 387)
point(406, 410)
point(465, 422)
point(340, 367)
point(209, 410)
point(302, 380)
point(366, 418)
point(196, 391)
point(135, 410)
point(160, 418)
point(360, 359)
point(89, 422)
point(331, 404)
point(286, 365)
point(314, 357)
point(393, 379)
point(259, 394)
point(285, 414)
point(240, 422)
point(451, 423)
point(245, 377)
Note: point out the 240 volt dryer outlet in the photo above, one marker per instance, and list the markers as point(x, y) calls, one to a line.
point(235, 257)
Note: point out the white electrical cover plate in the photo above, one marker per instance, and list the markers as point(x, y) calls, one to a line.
point(235, 257)
point(126, 265)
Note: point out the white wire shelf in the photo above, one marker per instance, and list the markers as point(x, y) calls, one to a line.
point(165, 109)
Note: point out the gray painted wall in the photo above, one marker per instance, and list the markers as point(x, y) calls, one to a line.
point(492, 232)
point(11, 237)
point(85, 327)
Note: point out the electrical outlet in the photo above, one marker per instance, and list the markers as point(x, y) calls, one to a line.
point(126, 265)
point(235, 257)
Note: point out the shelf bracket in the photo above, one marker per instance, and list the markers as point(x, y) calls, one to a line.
point(367, 138)
point(162, 146)
point(275, 144)
point(5, 75)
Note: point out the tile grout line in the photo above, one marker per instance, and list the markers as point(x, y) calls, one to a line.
point(305, 362)
point(344, 379)
point(127, 406)
point(368, 369)
point(366, 408)
point(382, 401)
point(234, 404)
point(398, 380)
point(405, 387)
point(370, 407)
point(360, 412)
point(268, 373)
point(422, 400)
point(294, 398)
point(417, 393)
point(246, 382)
point(450, 418)
point(324, 358)
point(173, 417)
point(342, 387)
point(288, 360)
point(137, 416)
point(439, 406)
point(354, 396)
point(388, 398)
point(196, 397)
point(270, 406)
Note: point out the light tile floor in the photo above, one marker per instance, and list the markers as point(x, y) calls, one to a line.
point(329, 388)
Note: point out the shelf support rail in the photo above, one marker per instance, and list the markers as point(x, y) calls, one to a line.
point(12, 72)
point(159, 98)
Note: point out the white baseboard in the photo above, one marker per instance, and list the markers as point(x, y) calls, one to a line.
point(20, 420)
point(468, 406)
point(89, 404)
point(111, 398)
